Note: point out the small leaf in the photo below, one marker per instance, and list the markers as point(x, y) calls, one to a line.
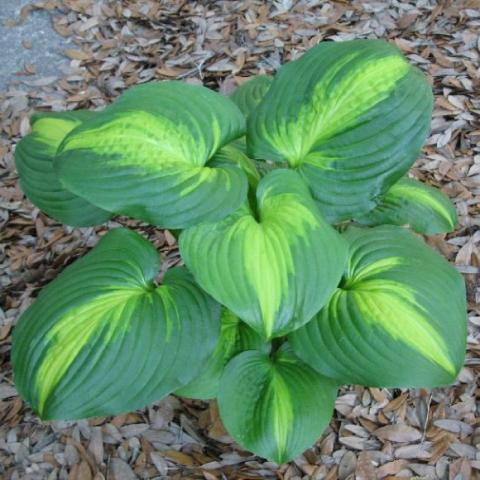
point(350, 117)
point(102, 339)
point(34, 156)
point(145, 155)
point(398, 318)
point(235, 337)
point(275, 407)
point(409, 202)
point(261, 262)
point(248, 95)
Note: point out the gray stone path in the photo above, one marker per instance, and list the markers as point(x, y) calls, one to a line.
point(46, 45)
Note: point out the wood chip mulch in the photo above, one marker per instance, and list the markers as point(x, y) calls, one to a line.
point(375, 433)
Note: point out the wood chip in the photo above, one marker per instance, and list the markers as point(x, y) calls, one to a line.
point(398, 433)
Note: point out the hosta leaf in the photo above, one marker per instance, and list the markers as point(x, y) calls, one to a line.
point(275, 407)
point(103, 339)
point(262, 262)
point(248, 95)
point(398, 319)
point(230, 155)
point(350, 117)
point(410, 202)
point(34, 160)
point(145, 156)
point(236, 336)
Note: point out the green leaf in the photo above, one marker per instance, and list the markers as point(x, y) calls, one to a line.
point(34, 156)
point(235, 337)
point(250, 93)
point(230, 155)
point(103, 339)
point(275, 407)
point(397, 320)
point(410, 202)
point(145, 156)
point(261, 262)
point(350, 117)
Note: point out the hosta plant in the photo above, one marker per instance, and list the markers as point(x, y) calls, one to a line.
point(293, 209)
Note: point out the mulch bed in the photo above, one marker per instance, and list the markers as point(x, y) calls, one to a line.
point(375, 433)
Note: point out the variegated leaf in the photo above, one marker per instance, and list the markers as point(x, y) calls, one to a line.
point(249, 94)
point(103, 339)
point(276, 407)
point(34, 156)
point(262, 261)
point(350, 117)
point(235, 337)
point(145, 156)
point(398, 318)
point(410, 202)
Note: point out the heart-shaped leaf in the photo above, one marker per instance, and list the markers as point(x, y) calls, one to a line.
point(261, 262)
point(276, 407)
point(235, 337)
point(410, 202)
point(397, 320)
point(145, 156)
point(34, 156)
point(350, 117)
point(103, 339)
